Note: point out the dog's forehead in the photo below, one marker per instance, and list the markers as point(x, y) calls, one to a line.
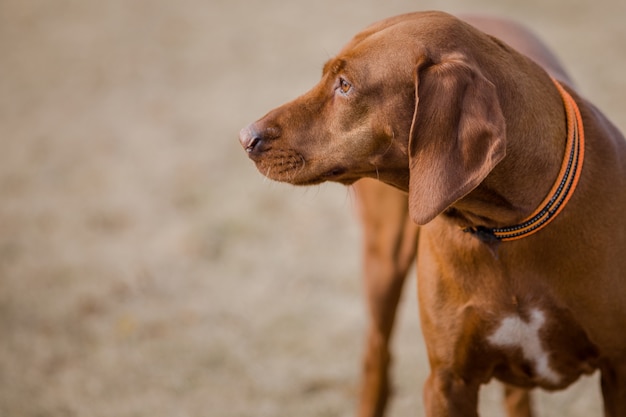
point(396, 45)
point(405, 35)
point(372, 56)
point(383, 39)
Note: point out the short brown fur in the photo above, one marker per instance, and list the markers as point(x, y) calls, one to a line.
point(473, 132)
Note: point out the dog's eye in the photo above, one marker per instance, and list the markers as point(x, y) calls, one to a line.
point(344, 86)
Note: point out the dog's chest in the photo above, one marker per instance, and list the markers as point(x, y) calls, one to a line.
point(515, 333)
point(544, 347)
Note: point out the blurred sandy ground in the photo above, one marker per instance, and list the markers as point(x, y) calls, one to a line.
point(146, 268)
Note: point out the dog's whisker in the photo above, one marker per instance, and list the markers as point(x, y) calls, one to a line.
point(349, 199)
point(391, 142)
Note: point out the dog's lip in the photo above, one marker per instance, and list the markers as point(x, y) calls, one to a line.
point(340, 175)
point(334, 173)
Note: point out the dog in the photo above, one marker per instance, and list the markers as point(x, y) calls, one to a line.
point(515, 181)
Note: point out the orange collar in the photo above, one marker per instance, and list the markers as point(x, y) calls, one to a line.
point(562, 189)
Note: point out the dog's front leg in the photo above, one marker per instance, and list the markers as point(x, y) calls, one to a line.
point(448, 395)
point(389, 248)
point(453, 324)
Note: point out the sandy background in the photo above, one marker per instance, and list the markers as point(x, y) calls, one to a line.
point(146, 268)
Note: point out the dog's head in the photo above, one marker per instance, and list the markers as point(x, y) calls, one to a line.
point(402, 102)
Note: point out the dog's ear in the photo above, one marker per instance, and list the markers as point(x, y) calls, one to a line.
point(457, 136)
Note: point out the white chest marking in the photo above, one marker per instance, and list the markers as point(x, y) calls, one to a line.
point(515, 332)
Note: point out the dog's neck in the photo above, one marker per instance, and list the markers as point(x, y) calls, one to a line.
point(520, 183)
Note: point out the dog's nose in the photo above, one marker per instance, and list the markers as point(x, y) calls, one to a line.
point(249, 139)
point(254, 139)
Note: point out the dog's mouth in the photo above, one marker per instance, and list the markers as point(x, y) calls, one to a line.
point(334, 173)
point(340, 175)
point(337, 174)
point(291, 167)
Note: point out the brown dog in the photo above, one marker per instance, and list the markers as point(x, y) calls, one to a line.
point(390, 240)
point(518, 184)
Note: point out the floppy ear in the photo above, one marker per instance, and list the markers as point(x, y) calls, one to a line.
point(457, 136)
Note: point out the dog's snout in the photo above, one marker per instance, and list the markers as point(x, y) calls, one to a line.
point(254, 140)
